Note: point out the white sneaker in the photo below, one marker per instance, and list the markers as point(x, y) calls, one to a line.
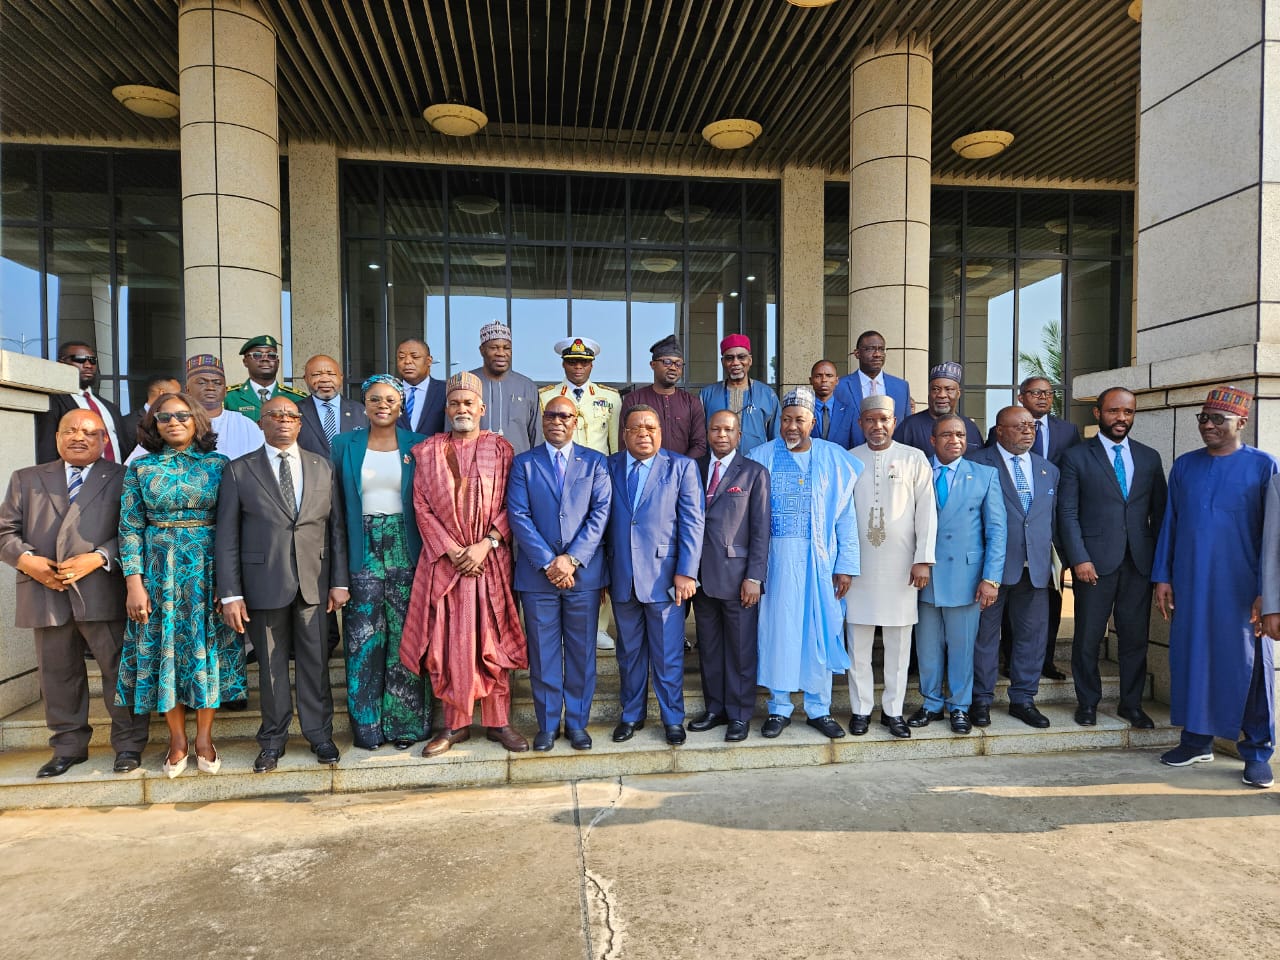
point(604, 641)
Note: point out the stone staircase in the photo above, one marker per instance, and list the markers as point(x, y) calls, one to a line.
point(24, 738)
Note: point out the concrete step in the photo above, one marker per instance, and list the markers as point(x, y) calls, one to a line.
point(479, 762)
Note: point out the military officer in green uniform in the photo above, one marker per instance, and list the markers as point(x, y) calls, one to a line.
point(261, 358)
point(598, 406)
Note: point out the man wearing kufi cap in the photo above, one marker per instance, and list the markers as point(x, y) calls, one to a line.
point(684, 425)
point(510, 399)
point(207, 382)
point(463, 629)
point(261, 358)
point(944, 397)
point(1214, 557)
point(755, 404)
point(599, 407)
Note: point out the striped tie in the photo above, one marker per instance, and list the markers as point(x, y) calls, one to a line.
point(1020, 481)
point(410, 392)
point(330, 422)
point(75, 483)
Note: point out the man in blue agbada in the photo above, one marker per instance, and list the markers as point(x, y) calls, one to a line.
point(1208, 580)
point(813, 558)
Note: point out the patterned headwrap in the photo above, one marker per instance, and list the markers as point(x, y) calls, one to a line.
point(384, 378)
point(1230, 399)
point(493, 330)
point(800, 397)
point(464, 380)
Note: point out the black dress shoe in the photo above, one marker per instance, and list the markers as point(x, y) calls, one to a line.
point(1136, 717)
point(624, 731)
point(1052, 673)
point(960, 722)
point(774, 725)
point(58, 766)
point(1087, 716)
point(1028, 714)
point(980, 714)
point(675, 733)
point(544, 740)
point(708, 721)
point(826, 726)
point(127, 760)
point(403, 743)
point(923, 717)
point(578, 739)
point(737, 731)
point(859, 724)
point(237, 706)
point(326, 752)
point(267, 760)
point(897, 726)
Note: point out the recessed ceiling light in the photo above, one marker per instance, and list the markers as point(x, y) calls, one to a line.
point(696, 214)
point(982, 144)
point(733, 293)
point(455, 119)
point(147, 101)
point(375, 266)
point(494, 259)
point(475, 204)
point(751, 278)
point(733, 133)
point(659, 264)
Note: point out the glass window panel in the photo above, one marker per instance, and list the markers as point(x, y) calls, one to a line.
point(477, 294)
point(78, 288)
point(75, 186)
point(598, 209)
point(760, 228)
point(1040, 319)
point(658, 211)
point(148, 189)
point(982, 406)
point(835, 312)
point(537, 206)
point(1095, 223)
point(988, 321)
point(990, 221)
point(20, 292)
point(657, 310)
point(415, 297)
point(539, 311)
point(599, 309)
point(18, 184)
point(715, 214)
point(414, 201)
point(1044, 222)
point(945, 214)
point(149, 277)
point(366, 318)
point(477, 204)
point(836, 218)
point(1091, 344)
point(946, 327)
point(360, 199)
point(760, 315)
point(715, 309)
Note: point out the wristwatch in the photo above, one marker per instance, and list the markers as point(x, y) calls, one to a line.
point(992, 583)
point(575, 561)
point(494, 541)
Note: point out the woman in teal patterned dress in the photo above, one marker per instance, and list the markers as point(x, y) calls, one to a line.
point(178, 654)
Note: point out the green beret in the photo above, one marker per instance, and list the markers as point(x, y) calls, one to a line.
point(266, 340)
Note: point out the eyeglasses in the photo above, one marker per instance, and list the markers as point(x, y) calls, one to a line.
point(1039, 394)
point(280, 415)
point(1028, 427)
point(81, 358)
point(381, 401)
point(182, 416)
point(262, 355)
point(671, 362)
point(1217, 419)
point(643, 428)
point(735, 357)
point(555, 415)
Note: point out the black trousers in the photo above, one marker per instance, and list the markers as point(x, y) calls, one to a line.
point(299, 630)
point(727, 654)
point(1126, 593)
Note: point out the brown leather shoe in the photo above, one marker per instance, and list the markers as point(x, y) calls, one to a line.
point(508, 738)
point(446, 740)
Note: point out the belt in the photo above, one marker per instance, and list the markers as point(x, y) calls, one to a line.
point(182, 523)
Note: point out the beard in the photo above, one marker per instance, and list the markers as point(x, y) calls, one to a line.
point(463, 423)
point(792, 444)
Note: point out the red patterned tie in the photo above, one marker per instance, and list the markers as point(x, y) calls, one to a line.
point(108, 452)
point(715, 481)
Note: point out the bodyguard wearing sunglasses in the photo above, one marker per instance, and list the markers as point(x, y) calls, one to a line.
point(261, 358)
point(118, 444)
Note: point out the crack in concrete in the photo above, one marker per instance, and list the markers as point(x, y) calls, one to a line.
point(594, 892)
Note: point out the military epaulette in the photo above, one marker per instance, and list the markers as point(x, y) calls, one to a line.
point(294, 392)
point(237, 386)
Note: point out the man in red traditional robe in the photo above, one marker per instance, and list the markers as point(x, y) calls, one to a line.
point(463, 628)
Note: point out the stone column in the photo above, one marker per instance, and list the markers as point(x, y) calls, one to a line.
point(230, 176)
point(803, 238)
point(315, 256)
point(891, 121)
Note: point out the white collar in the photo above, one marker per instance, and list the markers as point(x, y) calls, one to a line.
point(723, 461)
point(567, 450)
point(276, 453)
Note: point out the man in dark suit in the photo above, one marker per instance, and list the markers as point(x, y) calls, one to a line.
point(157, 386)
point(326, 413)
point(834, 416)
point(871, 380)
point(1029, 483)
point(118, 444)
point(281, 559)
point(1110, 507)
point(735, 551)
point(558, 498)
point(654, 544)
point(58, 529)
point(423, 394)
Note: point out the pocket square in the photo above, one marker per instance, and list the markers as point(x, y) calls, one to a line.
point(734, 490)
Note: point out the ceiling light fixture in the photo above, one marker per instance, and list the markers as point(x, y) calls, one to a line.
point(659, 264)
point(490, 259)
point(830, 267)
point(475, 204)
point(982, 144)
point(455, 119)
point(974, 271)
point(731, 134)
point(696, 213)
point(147, 101)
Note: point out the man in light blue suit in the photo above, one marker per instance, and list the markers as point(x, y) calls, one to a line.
point(653, 546)
point(1029, 484)
point(871, 380)
point(968, 567)
point(558, 498)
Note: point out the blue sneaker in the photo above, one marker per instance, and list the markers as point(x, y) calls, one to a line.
point(1257, 773)
point(1184, 756)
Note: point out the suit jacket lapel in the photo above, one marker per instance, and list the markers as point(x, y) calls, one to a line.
point(660, 461)
point(54, 480)
point(260, 466)
point(1006, 483)
point(312, 477)
point(726, 478)
point(1108, 468)
point(542, 457)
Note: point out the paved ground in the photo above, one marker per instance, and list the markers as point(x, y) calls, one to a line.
point(1078, 855)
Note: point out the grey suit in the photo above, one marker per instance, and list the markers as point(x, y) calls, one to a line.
point(37, 517)
point(284, 566)
point(350, 416)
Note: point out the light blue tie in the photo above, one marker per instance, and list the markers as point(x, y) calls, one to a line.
point(1020, 481)
point(941, 486)
point(560, 470)
point(409, 392)
point(75, 483)
point(1121, 478)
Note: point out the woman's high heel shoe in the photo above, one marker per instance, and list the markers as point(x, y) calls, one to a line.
point(209, 766)
point(172, 770)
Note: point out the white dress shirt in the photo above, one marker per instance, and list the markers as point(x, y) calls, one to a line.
point(724, 465)
point(295, 469)
point(867, 382)
point(1125, 454)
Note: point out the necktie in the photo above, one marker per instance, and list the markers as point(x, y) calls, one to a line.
point(330, 422)
point(1039, 446)
point(560, 470)
point(108, 452)
point(264, 393)
point(577, 394)
point(715, 481)
point(1121, 479)
point(875, 388)
point(824, 420)
point(409, 393)
point(941, 486)
point(286, 484)
point(75, 483)
point(633, 484)
point(1020, 482)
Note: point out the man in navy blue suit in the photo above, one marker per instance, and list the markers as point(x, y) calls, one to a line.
point(558, 500)
point(654, 546)
point(871, 380)
point(833, 416)
point(423, 410)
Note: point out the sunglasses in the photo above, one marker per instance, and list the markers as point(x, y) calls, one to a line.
point(282, 415)
point(1217, 419)
point(81, 358)
point(260, 355)
point(182, 416)
point(556, 415)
